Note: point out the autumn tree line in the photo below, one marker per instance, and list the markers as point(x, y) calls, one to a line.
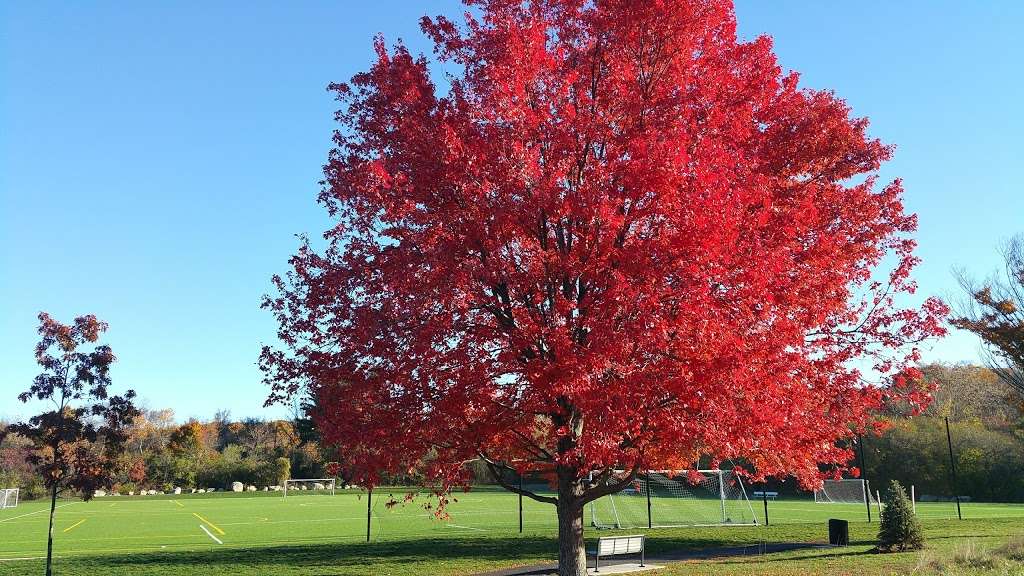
point(161, 453)
point(987, 429)
point(986, 416)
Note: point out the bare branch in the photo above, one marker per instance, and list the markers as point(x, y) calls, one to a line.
point(496, 467)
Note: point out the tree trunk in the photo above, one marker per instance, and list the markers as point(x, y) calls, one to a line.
point(49, 539)
point(572, 555)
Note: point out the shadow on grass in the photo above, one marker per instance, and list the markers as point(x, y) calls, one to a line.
point(335, 554)
point(819, 554)
point(463, 555)
point(470, 554)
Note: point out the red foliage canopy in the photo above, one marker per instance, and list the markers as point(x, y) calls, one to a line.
point(621, 239)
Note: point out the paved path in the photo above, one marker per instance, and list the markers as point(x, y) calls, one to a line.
point(664, 557)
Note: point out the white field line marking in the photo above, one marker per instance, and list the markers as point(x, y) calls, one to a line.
point(466, 527)
point(25, 558)
point(306, 540)
point(36, 512)
point(215, 539)
point(106, 539)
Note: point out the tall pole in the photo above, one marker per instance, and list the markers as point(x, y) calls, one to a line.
point(764, 495)
point(650, 523)
point(864, 473)
point(369, 496)
point(952, 470)
point(520, 502)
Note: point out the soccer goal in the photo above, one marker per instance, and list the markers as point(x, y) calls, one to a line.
point(850, 491)
point(662, 499)
point(8, 498)
point(309, 486)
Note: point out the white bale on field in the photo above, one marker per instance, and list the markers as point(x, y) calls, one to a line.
point(318, 486)
point(211, 489)
point(250, 488)
point(100, 493)
point(200, 491)
point(177, 490)
point(237, 486)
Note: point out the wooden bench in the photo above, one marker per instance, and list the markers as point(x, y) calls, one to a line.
point(617, 546)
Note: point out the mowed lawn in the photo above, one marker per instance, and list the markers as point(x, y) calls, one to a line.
point(325, 535)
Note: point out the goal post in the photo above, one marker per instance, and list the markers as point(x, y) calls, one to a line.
point(849, 491)
point(8, 497)
point(669, 498)
point(323, 486)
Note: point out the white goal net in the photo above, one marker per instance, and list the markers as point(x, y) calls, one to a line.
point(676, 498)
point(309, 486)
point(8, 498)
point(851, 491)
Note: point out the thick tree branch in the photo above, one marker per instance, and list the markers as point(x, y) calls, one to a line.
point(496, 468)
point(596, 492)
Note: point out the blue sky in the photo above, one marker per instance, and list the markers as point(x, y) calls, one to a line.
point(157, 158)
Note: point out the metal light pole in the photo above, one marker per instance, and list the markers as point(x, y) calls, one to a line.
point(952, 470)
point(369, 496)
point(650, 523)
point(864, 473)
point(520, 502)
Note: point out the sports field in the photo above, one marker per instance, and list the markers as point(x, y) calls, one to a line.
point(303, 534)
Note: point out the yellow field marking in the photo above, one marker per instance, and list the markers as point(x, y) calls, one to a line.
point(211, 524)
point(178, 503)
point(74, 525)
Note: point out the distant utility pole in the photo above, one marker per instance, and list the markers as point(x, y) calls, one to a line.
point(863, 476)
point(369, 496)
point(520, 502)
point(952, 470)
point(650, 522)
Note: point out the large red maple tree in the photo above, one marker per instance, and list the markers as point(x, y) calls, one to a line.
point(620, 239)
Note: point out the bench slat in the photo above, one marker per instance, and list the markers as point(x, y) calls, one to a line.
point(615, 545)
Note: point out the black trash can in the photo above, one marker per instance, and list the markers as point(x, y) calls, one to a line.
point(838, 532)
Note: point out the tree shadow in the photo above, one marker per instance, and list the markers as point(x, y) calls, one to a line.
point(336, 555)
point(461, 554)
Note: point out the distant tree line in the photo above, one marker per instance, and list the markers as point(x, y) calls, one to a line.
point(986, 419)
point(986, 416)
point(163, 454)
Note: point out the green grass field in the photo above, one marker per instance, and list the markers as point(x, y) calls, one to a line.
point(320, 534)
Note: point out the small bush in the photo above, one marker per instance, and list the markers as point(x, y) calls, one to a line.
point(970, 555)
point(899, 528)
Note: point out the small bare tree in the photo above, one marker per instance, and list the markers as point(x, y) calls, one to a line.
point(994, 310)
point(76, 444)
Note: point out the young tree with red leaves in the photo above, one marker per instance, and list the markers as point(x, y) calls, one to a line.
point(621, 240)
point(77, 444)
